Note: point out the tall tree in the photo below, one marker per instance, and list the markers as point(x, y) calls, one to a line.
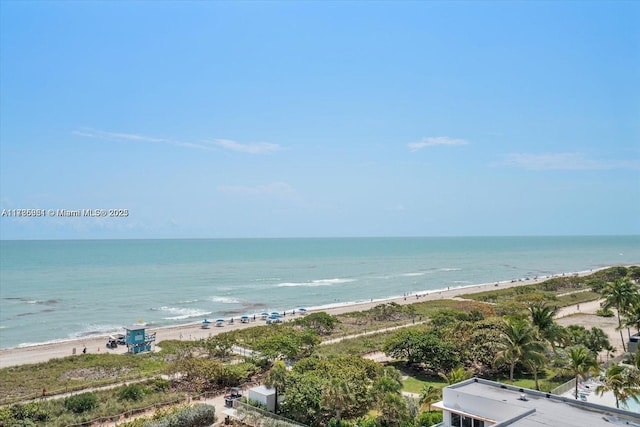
point(621, 295)
point(581, 363)
point(623, 382)
point(337, 396)
point(277, 378)
point(542, 317)
point(631, 317)
point(534, 363)
point(519, 342)
point(429, 395)
point(394, 410)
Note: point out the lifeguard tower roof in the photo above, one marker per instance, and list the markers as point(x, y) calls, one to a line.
point(135, 327)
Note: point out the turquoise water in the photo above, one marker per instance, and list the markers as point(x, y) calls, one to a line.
point(631, 405)
point(59, 290)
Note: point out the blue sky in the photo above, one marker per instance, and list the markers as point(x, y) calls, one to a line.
point(295, 119)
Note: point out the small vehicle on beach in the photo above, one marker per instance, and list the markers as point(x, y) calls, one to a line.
point(112, 343)
point(234, 394)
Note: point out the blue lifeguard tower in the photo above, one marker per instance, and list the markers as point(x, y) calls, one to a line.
point(137, 339)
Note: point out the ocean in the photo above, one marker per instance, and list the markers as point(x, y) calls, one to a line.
point(68, 289)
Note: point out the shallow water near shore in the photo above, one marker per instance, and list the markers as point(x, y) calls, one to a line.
point(60, 290)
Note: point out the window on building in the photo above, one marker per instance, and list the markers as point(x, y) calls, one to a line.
point(458, 420)
point(455, 420)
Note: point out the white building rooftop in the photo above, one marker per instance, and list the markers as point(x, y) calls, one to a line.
point(482, 403)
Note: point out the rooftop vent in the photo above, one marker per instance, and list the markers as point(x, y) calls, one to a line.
point(523, 397)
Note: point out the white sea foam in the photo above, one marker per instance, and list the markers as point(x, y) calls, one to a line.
point(95, 330)
point(225, 300)
point(313, 283)
point(449, 269)
point(183, 313)
point(412, 274)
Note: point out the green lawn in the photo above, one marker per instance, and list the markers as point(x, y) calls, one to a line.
point(415, 381)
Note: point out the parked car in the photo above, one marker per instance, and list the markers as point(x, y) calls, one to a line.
point(234, 394)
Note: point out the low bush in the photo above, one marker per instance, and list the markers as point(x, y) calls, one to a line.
point(132, 392)
point(195, 416)
point(604, 312)
point(81, 402)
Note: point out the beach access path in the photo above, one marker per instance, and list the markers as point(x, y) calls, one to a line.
point(44, 352)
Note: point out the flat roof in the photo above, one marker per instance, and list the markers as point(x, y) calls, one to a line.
point(538, 410)
point(135, 327)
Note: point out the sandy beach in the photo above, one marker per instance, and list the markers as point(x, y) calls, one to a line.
point(194, 331)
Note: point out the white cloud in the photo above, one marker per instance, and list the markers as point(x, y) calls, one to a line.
point(254, 148)
point(563, 161)
point(92, 133)
point(435, 140)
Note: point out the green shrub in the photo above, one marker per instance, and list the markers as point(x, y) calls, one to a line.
point(427, 419)
point(132, 392)
point(29, 411)
point(604, 312)
point(81, 402)
point(160, 384)
point(195, 416)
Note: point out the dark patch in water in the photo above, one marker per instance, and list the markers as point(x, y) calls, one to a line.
point(233, 312)
point(253, 305)
point(24, 314)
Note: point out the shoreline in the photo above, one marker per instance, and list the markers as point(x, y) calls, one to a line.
point(42, 352)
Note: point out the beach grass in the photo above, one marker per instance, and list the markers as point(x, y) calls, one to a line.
point(110, 403)
point(74, 373)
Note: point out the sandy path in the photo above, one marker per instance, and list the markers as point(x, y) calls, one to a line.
point(584, 314)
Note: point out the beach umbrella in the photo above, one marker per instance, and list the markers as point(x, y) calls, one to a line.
point(275, 313)
point(219, 320)
point(206, 321)
point(302, 309)
point(244, 317)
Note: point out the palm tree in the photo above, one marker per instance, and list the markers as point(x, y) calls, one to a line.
point(518, 342)
point(542, 317)
point(535, 361)
point(632, 316)
point(394, 410)
point(456, 375)
point(581, 363)
point(429, 395)
point(337, 396)
point(621, 294)
point(277, 378)
point(615, 381)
